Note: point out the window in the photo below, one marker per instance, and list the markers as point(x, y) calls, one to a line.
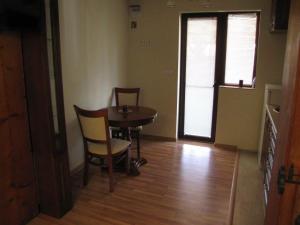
point(241, 48)
point(216, 49)
point(236, 46)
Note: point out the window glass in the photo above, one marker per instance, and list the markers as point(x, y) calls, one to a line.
point(241, 45)
point(200, 75)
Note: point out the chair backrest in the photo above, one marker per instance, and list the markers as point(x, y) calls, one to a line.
point(93, 125)
point(127, 96)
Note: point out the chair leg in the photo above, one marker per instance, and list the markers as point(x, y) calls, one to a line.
point(138, 145)
point(110, 174)
point(128, 161)
point(86, 171)
point(124, 134)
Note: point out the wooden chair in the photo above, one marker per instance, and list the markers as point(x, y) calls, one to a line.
point(129, 96)
point(98, 144)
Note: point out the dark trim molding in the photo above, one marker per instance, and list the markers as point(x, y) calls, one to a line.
point(77, 169)
point(226, 147)
point(49, 149)
point(158, 138)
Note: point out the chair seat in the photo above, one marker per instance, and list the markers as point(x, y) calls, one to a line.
point(117, 146)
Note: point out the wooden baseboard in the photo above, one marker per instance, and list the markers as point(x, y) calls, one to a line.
point(226, 147)
point(158, 138)
point(233, 188)
point(77, 169)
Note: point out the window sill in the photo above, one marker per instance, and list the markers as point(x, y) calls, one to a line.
point(237, 87)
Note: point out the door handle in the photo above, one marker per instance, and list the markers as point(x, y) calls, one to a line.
point(290, 178)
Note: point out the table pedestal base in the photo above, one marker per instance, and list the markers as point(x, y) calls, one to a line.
point(135, 164)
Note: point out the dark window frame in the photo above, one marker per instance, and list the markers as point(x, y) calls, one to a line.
point(221, 42)
point(255, 53)
point(222, 28)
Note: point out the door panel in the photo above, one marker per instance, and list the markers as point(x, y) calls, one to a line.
point(19, 204)
point(11, 58)
point(198, 117)
point(292, 194)
point(282, 209)
point(27, 203)
point(21, 152)
point(3, 102)
point(198, 76)
point(8, 197)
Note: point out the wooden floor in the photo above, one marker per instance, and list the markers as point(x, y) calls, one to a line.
point(183, 183)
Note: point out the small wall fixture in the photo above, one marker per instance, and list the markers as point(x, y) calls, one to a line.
point(134, 11)
point(135, 8)
point(171, 3)
point(203, 3)
point(133, 25)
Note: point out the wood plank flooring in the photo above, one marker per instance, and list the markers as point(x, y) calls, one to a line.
point(183, 183)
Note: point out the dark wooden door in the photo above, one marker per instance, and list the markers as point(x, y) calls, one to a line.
point(284, 208)
point(18, 200)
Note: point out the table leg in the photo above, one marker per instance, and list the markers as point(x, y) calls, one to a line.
point(134, 171)
point(141, 161)
point(135, 162)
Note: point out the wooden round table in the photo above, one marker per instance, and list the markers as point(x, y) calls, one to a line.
point(131, 116)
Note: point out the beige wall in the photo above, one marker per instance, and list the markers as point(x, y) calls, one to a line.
point(153, 66)
point(94, 47)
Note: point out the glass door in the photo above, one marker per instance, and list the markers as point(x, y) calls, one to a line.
point(198, 64)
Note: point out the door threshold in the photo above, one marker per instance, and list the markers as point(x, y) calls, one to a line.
point(198, 139)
